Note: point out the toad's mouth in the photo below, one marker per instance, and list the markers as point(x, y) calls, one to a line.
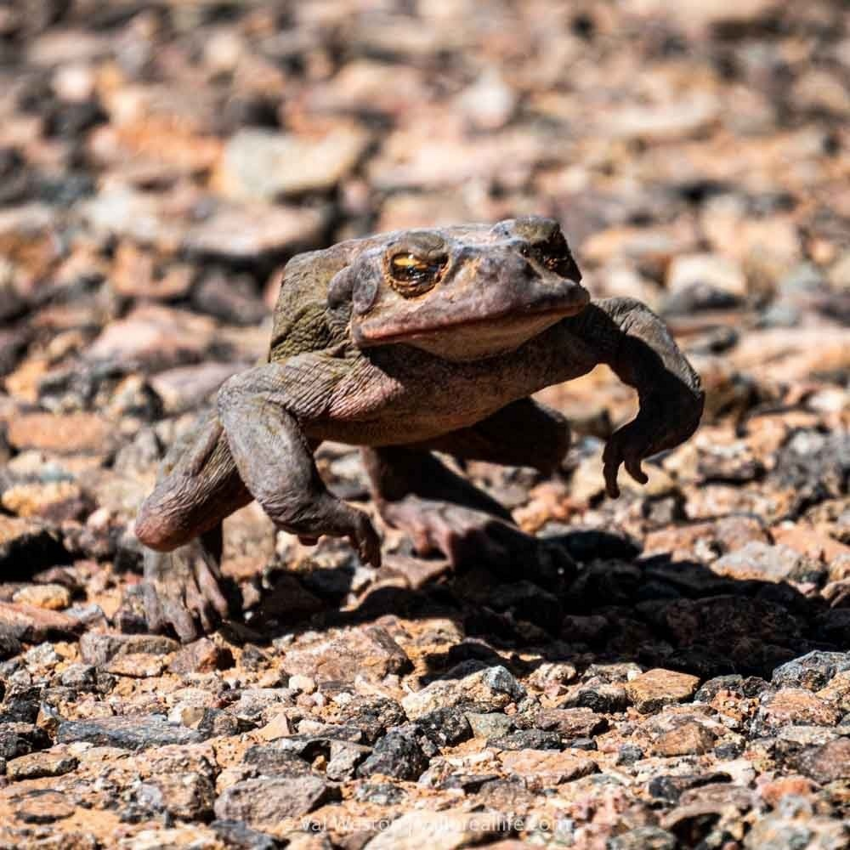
point(471, 337)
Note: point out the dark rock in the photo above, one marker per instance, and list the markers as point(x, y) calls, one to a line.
point(259, 801)
point(397, 754)
point(815, 465)
point(236, 835)
point(446, 727)
point(826, 763)
point(812, 671)
point(629, 754)
point(82, 677)
point(601, 698)
point(373, 716)
point(31, 545)
point(20, 739)
point(527, 601)
point(188, 796)
point(232, 298)
point(528, 739)
point(589, 544)
point(272, 760)
point(345, 757)
point(379, 794)
point(130, 733)
point(218, 723)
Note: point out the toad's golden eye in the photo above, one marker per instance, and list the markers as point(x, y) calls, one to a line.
point(413, 275)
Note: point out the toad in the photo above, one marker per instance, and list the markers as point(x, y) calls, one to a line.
point(407, 344)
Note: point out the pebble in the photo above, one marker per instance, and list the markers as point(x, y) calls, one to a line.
point(262, 165)
point(492, 689)
point(654, 689)
point(53, 597)
point(268, 800)
point(397, 754)
point(130, 733)
point(812, 671)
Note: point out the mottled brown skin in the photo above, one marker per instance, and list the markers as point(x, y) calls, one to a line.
point(407, 343)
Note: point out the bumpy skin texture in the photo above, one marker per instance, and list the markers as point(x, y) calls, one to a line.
point(407, 343)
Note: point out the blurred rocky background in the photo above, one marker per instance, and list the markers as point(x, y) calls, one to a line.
point(683, 682)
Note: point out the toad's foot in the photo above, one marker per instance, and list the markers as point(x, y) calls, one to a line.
point(182, 590)
point(469, 537)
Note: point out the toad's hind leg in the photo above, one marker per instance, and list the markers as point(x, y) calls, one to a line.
point(180, 526)
point(443, 512)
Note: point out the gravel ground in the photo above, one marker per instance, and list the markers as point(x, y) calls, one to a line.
point(681, 680)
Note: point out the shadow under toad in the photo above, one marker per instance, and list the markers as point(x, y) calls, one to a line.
point(599, 601)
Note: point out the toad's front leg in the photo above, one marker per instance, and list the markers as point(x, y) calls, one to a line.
point(627, 336)
point(258, 410)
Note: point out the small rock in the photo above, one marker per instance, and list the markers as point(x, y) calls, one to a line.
point(25, 541)
point(54, 501)
point(345, 756)
point(397, 754)
point(656, 688)
point(571, 722)
point(447, 727)
point(795, 707)
point(547, 767)
point(67, 433)
point(826, 763)
point(129, 733)
point(557, 674)
point(775, 832)
point(368, 652)
point(489, 725)
point(491, 689)
point(302, 684)
point(687, 739)
point(137, 665)
point(644, 838)
point(373, 716)
point(82, 677)
point(812, 671)
point(236, 835)
point(761, 562)
point(53, 597)
point(47, 807)
point(267, 801)
point(201, 656)
point(37, 765)
point(35, 625)
point(528, 739)
point(446, 830)
point(262, 165)
point(718, 272)
point(20, 739)
point(599, 697)
point(98, 648)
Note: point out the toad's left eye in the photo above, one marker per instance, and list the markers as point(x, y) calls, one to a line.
point(412, 275)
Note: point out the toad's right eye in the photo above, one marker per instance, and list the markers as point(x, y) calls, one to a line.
point(412, 275)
